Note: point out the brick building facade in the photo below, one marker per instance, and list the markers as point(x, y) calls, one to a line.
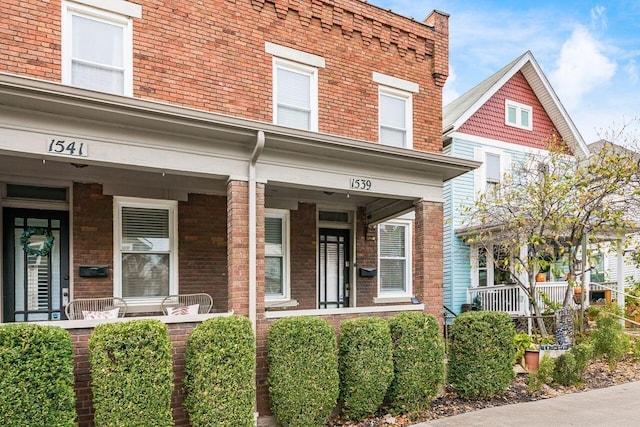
point(284, 157)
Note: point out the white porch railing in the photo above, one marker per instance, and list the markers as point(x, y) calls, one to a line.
point(513, 300)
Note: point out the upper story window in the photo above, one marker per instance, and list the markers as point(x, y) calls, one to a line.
point(295, 87)
point(395, 110)
point(495, 163)
point(518, 115)
point(276, 259)
point(145, 248)
point(394, 258)
point(97, 45)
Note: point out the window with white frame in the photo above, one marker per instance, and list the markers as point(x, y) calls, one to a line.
point(276, 239)
point(395, 110)
point(490, 267)
point(518, 115)
point(97, 46)
point(495, 163)
point(295, 87)
point(493, 171)
point(394, 258)
point(145, 248)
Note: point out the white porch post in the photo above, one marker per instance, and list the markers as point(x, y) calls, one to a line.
point(620, 296)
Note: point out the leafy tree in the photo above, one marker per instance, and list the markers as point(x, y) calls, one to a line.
point(550, 206)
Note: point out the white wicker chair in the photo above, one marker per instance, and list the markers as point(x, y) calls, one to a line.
point(204, 301)
point(74, 309)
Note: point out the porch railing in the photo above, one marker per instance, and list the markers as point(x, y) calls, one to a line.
point(513, 300)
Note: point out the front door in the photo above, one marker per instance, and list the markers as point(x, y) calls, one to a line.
point(36, 264)
point(333, 268)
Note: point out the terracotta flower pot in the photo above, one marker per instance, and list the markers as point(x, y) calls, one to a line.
point(541, 277)
point(531, 360)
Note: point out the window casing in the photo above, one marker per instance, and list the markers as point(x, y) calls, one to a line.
point(295, 95)
point(97, 49)
point(276, 242)
point(490, 269)
point(395, 117)
point(394, 259)
point(518, 115)
point(146, 267)
point(489, 176)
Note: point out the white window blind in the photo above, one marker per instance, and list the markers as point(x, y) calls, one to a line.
point(393, 120)
point(274, 257)
point(492, 165)
point(393, 258)
point(294, 98)
point(145, 250)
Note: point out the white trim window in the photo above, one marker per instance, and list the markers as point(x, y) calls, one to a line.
point(495, 163)
point(488, 269)
point(146, 249)
point(295, 95)
point(518, 115)
point(394, 259)
point(395, 117)
point(395, 110)
point(276, 255)
point(97, 49)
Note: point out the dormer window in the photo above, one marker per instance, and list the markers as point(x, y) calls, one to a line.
point(518, 115)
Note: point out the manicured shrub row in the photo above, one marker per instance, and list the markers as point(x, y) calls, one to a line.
point(303, 371)
point(219, 363)
point(366, 365)
point(481, 354)
point(36, 376)
point(418, 361)
point(131, 373)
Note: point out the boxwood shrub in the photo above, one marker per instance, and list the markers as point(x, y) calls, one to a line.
point(418, 361)
point(481, 354)
point(36, 376)
point(220, 364)
point(303, 377)
point(365, 365)
point(131, 373)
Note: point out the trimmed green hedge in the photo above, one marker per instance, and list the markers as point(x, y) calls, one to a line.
point(36, 376)
point(418, 361)
point(131, 373)
point(220, 364)
point(366, 365)
point(481, 354)
point(303, 371)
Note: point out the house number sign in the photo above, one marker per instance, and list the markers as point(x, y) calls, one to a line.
point(67, 147)
point(361, 184)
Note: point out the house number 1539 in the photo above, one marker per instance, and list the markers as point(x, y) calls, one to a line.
point(361, 184)
point(67, 147)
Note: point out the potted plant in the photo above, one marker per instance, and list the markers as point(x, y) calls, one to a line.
point(522, 342)
point(532, 357)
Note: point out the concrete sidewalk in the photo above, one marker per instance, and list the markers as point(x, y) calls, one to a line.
point(613, 406)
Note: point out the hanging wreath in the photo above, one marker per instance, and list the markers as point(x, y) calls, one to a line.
point(25, 240)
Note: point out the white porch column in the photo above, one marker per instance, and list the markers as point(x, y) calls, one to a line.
point(620, 296)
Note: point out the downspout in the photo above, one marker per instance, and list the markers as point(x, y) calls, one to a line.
point(257, 149)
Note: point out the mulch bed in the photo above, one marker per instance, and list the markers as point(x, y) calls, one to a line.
point(596, 376)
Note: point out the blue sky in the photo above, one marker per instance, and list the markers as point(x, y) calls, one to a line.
point(589, 51)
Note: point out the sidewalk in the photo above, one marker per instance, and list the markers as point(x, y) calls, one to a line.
point(612, 406)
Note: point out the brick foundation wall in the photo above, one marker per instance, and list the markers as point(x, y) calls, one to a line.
point(202, 237)
point(186, 55)
point(92, 239)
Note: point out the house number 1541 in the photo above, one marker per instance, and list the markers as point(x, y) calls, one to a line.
point(67, 147)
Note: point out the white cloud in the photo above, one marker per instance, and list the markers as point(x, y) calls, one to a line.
point(581, 68)
point(599, 17)
point(449, 92)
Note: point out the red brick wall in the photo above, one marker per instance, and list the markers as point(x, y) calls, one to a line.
point(367, 256)
point(428, 272)
point(178, 334)
point(304, 265)
point(488, 121)
point(92, 239)
point(238, 247)
point(183, 53)
point(202, 242)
